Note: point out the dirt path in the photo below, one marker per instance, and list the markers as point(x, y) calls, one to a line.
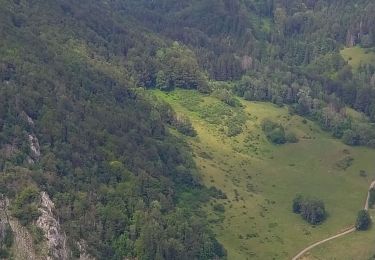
point(348, 231)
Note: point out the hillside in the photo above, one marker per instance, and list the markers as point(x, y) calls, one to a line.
point(135, 129)
point(261, 179)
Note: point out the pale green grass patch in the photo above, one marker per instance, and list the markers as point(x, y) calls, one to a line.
point(357, 55)
point(261, 179)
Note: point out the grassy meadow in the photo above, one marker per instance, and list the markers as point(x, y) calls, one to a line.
point(358, 245)
point(357, 55)
point(261, 179)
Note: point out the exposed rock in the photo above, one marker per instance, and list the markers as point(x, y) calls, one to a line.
point(82, 247)
point(23, 241)
point(247, 62)
point(3, 218)
point(34, 147)
point(27, 118)
point(55, 238)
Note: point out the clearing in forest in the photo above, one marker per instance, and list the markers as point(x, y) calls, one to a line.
point(261, 179)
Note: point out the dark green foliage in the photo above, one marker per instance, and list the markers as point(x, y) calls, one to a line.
point(184, 126)
point(297, 204)
point(276, 133)
point(107, 156)
point(291, 137)
point(37, 234)
point(8, 236)
point(227, 97)
point(219, 208)
point(312, 210)
point(4, 253)
point(234, 129)
point(363, 221)
point(350, 137)
point(71, 68)
point(217, 193)
point(6, 242)
point(345, 163)
point(25, 206)
point(371, 201)
point(179, 68)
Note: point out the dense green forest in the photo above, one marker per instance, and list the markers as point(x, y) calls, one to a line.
point(73, 76)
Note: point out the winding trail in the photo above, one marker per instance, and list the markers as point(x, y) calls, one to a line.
point(347, 231)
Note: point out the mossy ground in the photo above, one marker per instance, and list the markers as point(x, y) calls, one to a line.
point(261, 179)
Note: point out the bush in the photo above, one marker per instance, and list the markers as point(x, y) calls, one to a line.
point(217, 193)
point(312, 210)
point(345, 163)
point(37, 234)
point(227, 97)
point(4, 253)
point(234, 130)
point(297, 202)
point(184, 126)
point(277, 136)
point(219, 208)
point(350, 138)
point(275, 132)
point(25, 206)
point(8, 236)
point(371, 201)
point(291, 137)
point(363, 220)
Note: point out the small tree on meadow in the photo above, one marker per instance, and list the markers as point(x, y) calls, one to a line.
point(363, 220)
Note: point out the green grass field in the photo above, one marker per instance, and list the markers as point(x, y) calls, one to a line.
point(357, 55)
point(358, 245)
point(261, 179)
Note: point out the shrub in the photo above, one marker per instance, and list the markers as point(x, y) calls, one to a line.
point(276, 134)
point(227, 97)
point(371, 201)
point(25, 206)
point(8, 236)
point(363, 220)
point(297, 202)
point(312, 210)
point(350, 138)
point(217, 193)
point(37, 234)
point(345, 163)
point(184, 126)
point(219, 208)
point(291, 137)
point(233, 130)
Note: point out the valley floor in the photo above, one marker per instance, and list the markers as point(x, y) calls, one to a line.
point(261, 180)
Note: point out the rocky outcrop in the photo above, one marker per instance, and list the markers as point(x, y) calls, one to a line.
point(27, 119)
point(23, 241)
point(55, 237)
point(83, 254)
point(52, 248)
point(34, 147)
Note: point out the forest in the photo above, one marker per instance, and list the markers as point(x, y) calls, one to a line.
point(74, 82)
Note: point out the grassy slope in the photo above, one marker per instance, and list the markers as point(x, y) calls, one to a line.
point(261, 179)
point(357, 55)
point(359, 245)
